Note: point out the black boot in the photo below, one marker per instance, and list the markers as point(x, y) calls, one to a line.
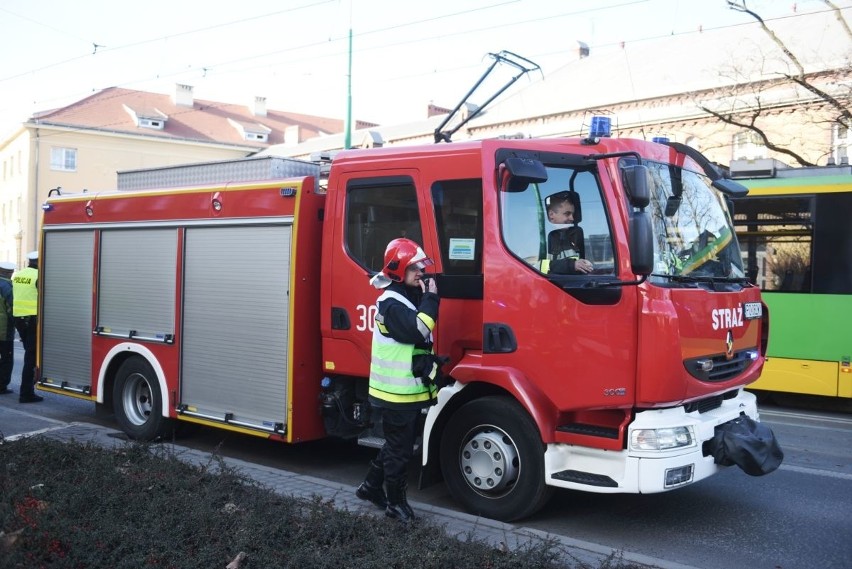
point(398, 507)
point(372, 488)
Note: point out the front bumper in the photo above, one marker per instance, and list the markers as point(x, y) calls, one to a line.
point(645, 472)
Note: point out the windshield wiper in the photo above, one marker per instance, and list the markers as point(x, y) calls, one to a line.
point(679, 278)
point(702, 279)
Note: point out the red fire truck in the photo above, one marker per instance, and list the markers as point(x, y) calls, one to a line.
point(246, 305)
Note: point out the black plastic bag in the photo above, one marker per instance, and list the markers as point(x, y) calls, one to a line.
point(748, 444)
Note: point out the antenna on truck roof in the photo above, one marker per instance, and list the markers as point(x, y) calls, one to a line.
point(522, 66)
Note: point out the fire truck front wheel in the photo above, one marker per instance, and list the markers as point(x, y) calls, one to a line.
point(492, 459)
point(138, 401)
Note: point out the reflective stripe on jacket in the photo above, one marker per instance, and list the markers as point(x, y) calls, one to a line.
point(25, 292)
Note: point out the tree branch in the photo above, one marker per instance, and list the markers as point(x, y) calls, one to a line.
point(845, 117)
point(839, 17)
point(741, 7)
point(729, 119)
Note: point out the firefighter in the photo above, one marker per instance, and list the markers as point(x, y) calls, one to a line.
point(565, 245)
point(25, 309)
point(403, 370)
point(7, 327)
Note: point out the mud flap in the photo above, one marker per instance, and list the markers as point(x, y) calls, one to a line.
point(748, 444)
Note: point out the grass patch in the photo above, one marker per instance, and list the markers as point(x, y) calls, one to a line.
point(79, 506)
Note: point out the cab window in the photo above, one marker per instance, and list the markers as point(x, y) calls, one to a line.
point(536, 227)
point(379, 210)
point(458, 217)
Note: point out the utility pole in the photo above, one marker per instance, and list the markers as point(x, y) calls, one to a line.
point(347, 139)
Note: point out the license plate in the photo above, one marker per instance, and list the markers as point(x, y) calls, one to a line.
point(753, 310)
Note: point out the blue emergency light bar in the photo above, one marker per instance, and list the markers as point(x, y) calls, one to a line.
point(660, 139)
point(601, 127)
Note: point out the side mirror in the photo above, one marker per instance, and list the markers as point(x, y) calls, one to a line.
point(521, 172)
point(641, 243)
point(637, 184)
point(730, 188)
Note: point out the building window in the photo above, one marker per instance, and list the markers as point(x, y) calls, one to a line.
point(64, 159)
point(152, 123)
point(256, 136)
point(748, 146)
point(840, 144)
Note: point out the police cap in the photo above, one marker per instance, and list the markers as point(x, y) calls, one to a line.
point(7, 266)
point(32, 256)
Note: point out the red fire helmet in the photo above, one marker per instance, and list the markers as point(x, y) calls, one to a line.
point(400, 254)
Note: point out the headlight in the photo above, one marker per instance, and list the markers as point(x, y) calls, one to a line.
point(661, 439)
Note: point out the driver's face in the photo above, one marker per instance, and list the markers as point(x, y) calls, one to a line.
point(561, 214)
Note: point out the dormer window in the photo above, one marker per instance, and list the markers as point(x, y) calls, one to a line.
point(257, 136)
point(251, 131)
point(147, 118)
point(151, 123)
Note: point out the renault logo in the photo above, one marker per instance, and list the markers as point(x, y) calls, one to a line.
point(729, 344)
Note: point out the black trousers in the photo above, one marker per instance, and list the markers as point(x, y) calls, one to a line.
point(7, 361)
point(27, 327)
point(400, 430)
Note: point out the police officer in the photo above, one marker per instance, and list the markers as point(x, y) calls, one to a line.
point(25, 291)
point(7, 327)
point(403, 370)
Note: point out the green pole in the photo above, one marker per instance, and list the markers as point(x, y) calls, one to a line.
point(347, 141)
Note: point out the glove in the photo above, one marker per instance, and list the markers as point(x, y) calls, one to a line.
point(427, 368)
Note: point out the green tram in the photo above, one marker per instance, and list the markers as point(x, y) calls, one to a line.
point(795, 231)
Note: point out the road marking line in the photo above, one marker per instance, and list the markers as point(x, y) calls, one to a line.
point(812, 417)
point(34, 433)
point(800, 425)
point(816, 471)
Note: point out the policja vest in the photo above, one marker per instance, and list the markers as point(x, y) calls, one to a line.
point(25, 292)
point(391, 378)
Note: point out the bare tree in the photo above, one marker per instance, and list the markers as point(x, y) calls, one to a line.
point(746, 103)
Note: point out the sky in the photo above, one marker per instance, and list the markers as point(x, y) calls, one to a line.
point(296, 53)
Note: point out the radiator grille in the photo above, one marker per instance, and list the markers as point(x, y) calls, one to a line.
point(723, 368)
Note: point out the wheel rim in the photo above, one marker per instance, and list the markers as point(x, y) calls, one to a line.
point(137, 400)
point(489, 461)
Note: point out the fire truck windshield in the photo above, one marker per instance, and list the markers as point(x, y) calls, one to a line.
point(693, 232)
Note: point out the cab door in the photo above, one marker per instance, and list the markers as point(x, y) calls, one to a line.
point(373, 208)
point(568, 338)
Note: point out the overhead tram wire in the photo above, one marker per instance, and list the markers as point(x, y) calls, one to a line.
point(153, 40)
point(213, 67)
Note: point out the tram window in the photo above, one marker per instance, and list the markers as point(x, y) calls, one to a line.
point(832, 252)
point(776, 240)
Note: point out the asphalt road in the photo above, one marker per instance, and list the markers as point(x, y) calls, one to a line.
point(795, 518)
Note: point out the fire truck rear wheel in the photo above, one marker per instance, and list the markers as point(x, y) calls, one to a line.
point(138, 401)
point(492, 459)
